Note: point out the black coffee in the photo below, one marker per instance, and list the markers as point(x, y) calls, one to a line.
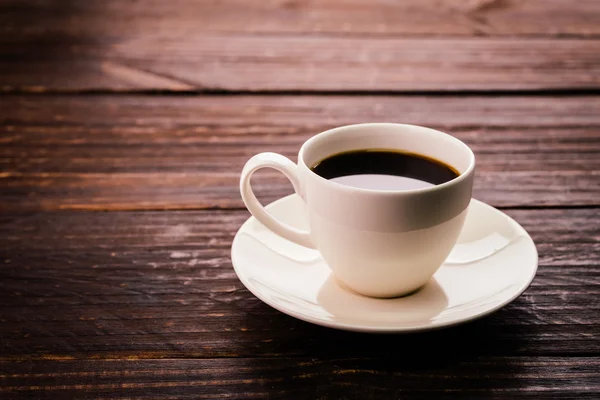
point(384, 170)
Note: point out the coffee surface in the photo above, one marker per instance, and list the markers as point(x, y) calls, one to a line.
point(384, 170)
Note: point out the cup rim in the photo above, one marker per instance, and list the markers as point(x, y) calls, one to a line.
point(352, 189)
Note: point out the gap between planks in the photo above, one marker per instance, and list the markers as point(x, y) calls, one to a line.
point(156, 356)
point(42, 91)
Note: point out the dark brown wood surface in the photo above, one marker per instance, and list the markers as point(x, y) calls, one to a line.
point(124, 126)
point(309, 378)
point(332, 45)
point(104, 152)
point(160, 284)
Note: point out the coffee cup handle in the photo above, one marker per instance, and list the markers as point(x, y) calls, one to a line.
point(290, 170)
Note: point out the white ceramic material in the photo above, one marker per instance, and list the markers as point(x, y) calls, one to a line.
point(493, 262)
point(378, 243)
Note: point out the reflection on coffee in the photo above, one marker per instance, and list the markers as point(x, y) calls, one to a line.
point(384, 170)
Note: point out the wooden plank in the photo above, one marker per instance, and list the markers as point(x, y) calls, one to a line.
point(425, 377)
point(275, 45)
point(161, 285)
point(310, 112)
point(256, 63)
point(279, 45)
point(379, 18)
point(147, 152)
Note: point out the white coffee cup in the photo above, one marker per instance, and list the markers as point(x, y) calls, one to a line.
point(379, 243)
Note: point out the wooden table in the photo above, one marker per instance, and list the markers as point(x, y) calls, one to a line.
point(123, 129)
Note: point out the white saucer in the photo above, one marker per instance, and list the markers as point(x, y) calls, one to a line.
point(494, 261)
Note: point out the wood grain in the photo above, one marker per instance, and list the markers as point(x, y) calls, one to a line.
point(378, 18)
point(303, 64)
point(145, 304)
point(146, 152)
point(548, 377)
point(161, 285)
point(317, 46)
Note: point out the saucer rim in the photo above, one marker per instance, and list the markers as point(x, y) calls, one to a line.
point(364, 328)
